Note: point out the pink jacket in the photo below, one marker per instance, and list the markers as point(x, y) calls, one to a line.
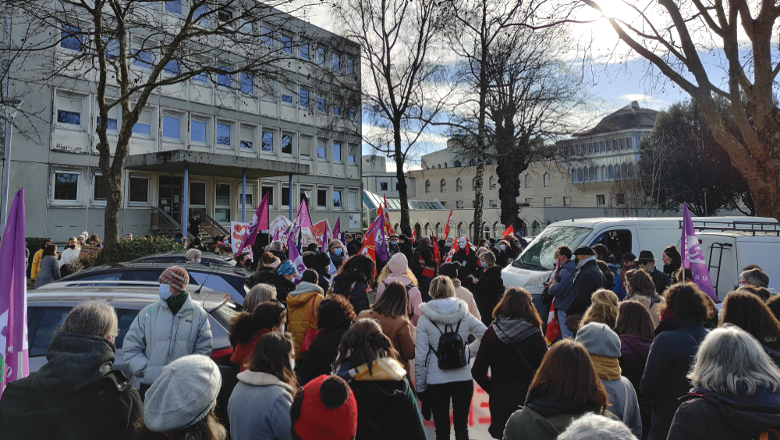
point(415, 298)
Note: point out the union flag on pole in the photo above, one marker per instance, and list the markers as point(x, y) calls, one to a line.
point(388, 227)
point(436, 253)
point(447, 228)
point(369, 248)
point(509, 231)
point(553, 329)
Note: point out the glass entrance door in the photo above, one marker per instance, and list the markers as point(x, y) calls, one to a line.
point(170, 196)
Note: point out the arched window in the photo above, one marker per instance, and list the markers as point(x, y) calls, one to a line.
point(624, 171)
point(528, 181)
point(497, 229)
point(458, 184)
point(471, 231)
point(427, 230)
point(459, 230)
point(630, 171)
point(438, 231)
point(592, 174)
point(486, 231)
point(610, 173)
point(397, 227)
point(418, 230)
point(474, 183)
point(445, 164)
point(599, 176)
point(573, 173)
point(618, 175)
point(457, 164)
point(546, 179)
point(473, 162)
point(579, 175)
point(439, 166)
point(427, 186)
point(536, 228)
point(443, 185)
point(609, 145)
point(604, 175)
point(492, 182)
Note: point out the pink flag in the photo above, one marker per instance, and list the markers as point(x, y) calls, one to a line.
point(337, 229)
point(259, 223)
point(295, 258)
point(14, 356)
point(693, 258)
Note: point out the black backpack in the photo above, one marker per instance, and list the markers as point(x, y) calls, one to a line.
point(452, 351)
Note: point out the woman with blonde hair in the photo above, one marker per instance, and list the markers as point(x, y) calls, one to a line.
point(603, 308)
point(640, 288)
point(397, 270)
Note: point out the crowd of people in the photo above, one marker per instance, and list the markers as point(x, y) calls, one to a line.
point(356, 350)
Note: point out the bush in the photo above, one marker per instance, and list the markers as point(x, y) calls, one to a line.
point(126, 250)
point(34, 244)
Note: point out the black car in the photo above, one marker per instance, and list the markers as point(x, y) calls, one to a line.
point(206, 258)
point(219, 278)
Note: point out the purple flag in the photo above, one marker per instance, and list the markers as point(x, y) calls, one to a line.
point(259, 223)
point(295, 258)
point(14, 356)
point(337, 229)
point(692, 256)
point(380, 244)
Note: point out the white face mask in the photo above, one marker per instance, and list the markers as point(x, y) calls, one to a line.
point(462, 243)
point(165, 291)
point(198, 260)
point(292, 364)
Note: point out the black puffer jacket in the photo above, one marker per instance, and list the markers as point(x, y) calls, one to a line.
point(282, 285)
point(487, 292)
point(74, 396)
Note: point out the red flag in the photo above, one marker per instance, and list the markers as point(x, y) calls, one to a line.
point(414, 235)
point(509, 231)
point(447, 228)
point(388, 228)
point(369, 248)
point(553, 329)
point(437, 254)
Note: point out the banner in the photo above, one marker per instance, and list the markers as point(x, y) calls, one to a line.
point(279, 227)
point(259, 222)
point(14, 355)
point(388, 226)
point(354, 221)
point(693, 258)
point(319, 231)
point(238, 231)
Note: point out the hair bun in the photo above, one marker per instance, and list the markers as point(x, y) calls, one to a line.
point(334, 391)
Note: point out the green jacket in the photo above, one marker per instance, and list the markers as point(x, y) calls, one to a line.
point(526, 424)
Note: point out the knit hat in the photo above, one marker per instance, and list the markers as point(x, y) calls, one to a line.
point(175, 276)
point(450, 269)
point(328, 410)
point(628, 256)
point(183, 395)
point(286, 268)
point(584, 250)
point(599, 340)
point(398, 263)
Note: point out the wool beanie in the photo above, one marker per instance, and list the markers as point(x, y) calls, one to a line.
point(450, 269)
point(286, 268)
point(328, 411)
point(183, 395)
point(599, 340)
point(175, 276)
point(398, 263)
point(584, 250)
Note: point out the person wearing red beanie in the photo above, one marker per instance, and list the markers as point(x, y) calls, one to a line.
point(324, 409)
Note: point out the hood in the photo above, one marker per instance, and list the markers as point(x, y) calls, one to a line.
point(581, 265)
point(570, 264)
point(750, 415)
point(676, 323)
point(265, 274)
point(634, 345)
point(547, 407)
point(384, 396)
point(445, 310)
point(403, 279)
point(298, 300)
point(305, 287)
point(260, 379)
point(75, 361)
point(513, 330)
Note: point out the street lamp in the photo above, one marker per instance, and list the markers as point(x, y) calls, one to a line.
point(7, 166)
point(704, 190)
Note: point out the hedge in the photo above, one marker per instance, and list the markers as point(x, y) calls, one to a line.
point(126, 250)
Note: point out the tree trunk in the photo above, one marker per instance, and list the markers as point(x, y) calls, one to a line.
point(401, 177)
point(511, 161)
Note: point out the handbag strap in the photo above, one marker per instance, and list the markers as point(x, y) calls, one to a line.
point(311, 310)
point(525, 361)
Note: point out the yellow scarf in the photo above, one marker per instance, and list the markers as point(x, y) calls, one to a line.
point(382, 369)
point(606, 367)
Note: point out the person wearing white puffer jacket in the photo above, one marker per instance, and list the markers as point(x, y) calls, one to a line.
point(445, 314)
point(397, 269)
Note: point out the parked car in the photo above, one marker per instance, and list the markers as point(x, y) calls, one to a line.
point(48, 306)
point(206, 258)
point(217, 277)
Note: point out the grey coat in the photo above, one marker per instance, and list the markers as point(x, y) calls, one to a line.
point(623, 396)
point(157, 338)
point(50, 271)
point(563, 289)
point(259, 407)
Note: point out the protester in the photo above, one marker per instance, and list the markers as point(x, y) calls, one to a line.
point(683, 275)
point(425, 266)
point(748, 312)
point(76, 394)
point(628, 263)
point(276, 248)
point(405, 245)
point(336, 252)
point(94, 240)
point(266, 269)
point(450, 270)
point(596, 427)
point(754, 277)
point(385, 401)
point(82, 239)
point(320, 263)
point(676, 338)
point(736, 391)
point(647, 263)
point(603, 346)
point(334, 317)
point(506, 255)
point(774, 305)
point(561, 287)
point(640, 288)
point(244, 260)
point(180, 404)
point(303, 309)
point(166, 330)
point(249, 327)
point(192, 256)
point(353, 280)
point(392, 245)
point(397, 270)
point(71, 253)
point(672, 260)
point(257, 295)
point(603, 254)
point(635, 328)
point(439, 382)
point(128, 236)
point(49, 271)
point(259, 407)
point(587, 280)
point(324, 409)
point(391, 311)
point(197, 243)
point(353, 244)
point(512, 348)
point(36, 262)
point(468, 258)
point(564, 387)
point(603, 308)
point(489, 288)
point(761, 292)
point(281, 279)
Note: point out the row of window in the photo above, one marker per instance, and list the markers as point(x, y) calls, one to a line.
point(458, 164)
point(492, 183)
point(604, 146)
point(603, 173)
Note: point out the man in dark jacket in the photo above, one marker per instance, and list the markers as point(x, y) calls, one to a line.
point(425, 266)
point(562, 286)
point(466, 255)
point(353, 243)
point(647, 263)
point(587, 280)
point(406, 247)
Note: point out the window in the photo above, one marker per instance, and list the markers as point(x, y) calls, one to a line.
point(51, 321)
point(443, 185)
point(473, 163)
point(139, 189)
point(173, 6)
point(609, 145)
point(70, 38)
point(268, 141)
point(548, 201)
point(528, 181)
point(267, 37)
point(459, 204)
point(620, 199)
point(249, 197)
point(247, 84)
point(353, 198)
point(287, 143)
point(303, 51)
point(198, 193)
point(172, 68)
point(336, 61)
point(567, 201)
point(322, 198)
point(224, 79)
point(321, 51)
point(493, 203)
point(474, 183)
point(443, 203)
point(198, 131)
point(287, 44)
point(600, 200)
point(458, 184)
point(224, 134)
point(492, 182)
point(304, 146)
point(337, 199)
point(427, 186)
point(69, 109)
point(171, 127)
point(303, 101)
point(383, 186)
point(321, 106)
point(321, 152)
point(546, 179)
point(201, 78)
point(144, 124)
point(200, 16)
point(336, 110)
point(350, 66)
point(629, 143)
point(351, 154)
point(457, 164)
point(143, 59)
point(270, 191)
point(336, 152)
point(610, 172)
point(247, 141)
point(111, 48)
point(225, 17)
point(66, 186)
point(222, 205)
point(287, 96)
point(285, 196)
point(602, 146)
point(99, 192)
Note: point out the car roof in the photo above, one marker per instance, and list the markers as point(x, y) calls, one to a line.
point(209, 255)
point(191, 267)
point(591, 222)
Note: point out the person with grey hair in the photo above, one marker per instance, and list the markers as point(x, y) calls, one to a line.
point(595, 427)
point(257, 295)
point(192, 256)
point(754, 277)
point(736, 390)
point(277, 249)
point(76, 394)
point(336, 253)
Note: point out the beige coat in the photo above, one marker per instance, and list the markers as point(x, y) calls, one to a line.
point(398, 330)
point(467, 297)
point(654, 307)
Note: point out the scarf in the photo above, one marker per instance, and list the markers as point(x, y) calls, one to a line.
point(513, 330)
point(584, 262)
point(606, 367)
point(175, 303)
point(381, 370)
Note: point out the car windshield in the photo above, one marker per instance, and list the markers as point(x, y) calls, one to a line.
point(540, 254)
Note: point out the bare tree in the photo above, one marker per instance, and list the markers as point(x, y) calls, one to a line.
point(127, 50)
point(672, 36)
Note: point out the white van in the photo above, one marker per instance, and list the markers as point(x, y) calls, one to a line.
point(620, 235)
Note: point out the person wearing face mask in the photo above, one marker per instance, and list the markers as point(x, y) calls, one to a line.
point(393, 247)
point(587, 280)
point(647, 264)
point(489, 288)
point(336, 252)
point(424, 266)
point(166, 330)
point(629, 263)
point(282, 280)
point(466, 255)
point(192, 256)
point(71, 253)
point(505, 255)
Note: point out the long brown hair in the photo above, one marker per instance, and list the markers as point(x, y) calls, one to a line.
point(517, 303)
point(634, 319)
point(267, 315)
point(640, 283)
point(393, 302)
point(748, 312)
point(208, 428)
point(567, 373)
point(360, 264)
point(603, 308)
point(364, 343)
point(272, 355)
